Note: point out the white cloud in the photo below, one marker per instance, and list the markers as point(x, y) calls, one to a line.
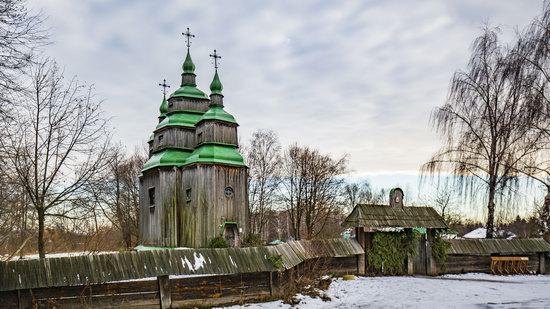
point(357, 77)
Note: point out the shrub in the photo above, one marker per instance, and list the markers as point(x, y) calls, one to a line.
point(276, 260)
point(218, 242)
point(252, 240)
point(389, 251)
point(440, 249)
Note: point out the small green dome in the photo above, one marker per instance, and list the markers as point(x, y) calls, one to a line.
point(189, 91)
point(188, 65)
point(216, 153)
point(163, 107)
point(180, 119)
point(217, 112)
point(216, 86)
point(167, 157)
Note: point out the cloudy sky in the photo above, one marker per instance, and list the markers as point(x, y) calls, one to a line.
point(347, 77)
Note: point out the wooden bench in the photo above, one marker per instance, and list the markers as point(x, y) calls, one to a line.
point(509, 265)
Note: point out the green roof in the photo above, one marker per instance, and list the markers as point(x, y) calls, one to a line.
point(188, 65)
point(167, 157)
point(216, 153)
point(216, 86)
point(189, 91)
point(151, 138)
point(217, 112)
point(181, 119)
point(163, 107)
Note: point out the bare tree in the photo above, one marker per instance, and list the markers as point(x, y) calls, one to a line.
point(264, 162)
point(56, 143)
point(21, 33)
point(484, 124)
point(311, 188)
point(357, 193)
point(117, 193)
point(533, 51)
point(443, 201)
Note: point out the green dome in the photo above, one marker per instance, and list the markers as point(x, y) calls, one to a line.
point(216, 153)
point(163, 107)
point(217, 112)
point(167, 157)
point(216, 86)
point(188, 65)
point(189, 91)
point(180, 119)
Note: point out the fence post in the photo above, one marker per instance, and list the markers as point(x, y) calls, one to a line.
point(542, 266)
point(164, 291)
point(24, 298)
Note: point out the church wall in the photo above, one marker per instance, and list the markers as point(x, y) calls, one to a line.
point(159, 225)
point(209, 207)
point(218, 132)
point(179, 104)
point(175, 136)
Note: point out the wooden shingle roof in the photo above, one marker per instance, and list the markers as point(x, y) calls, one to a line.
point(500, 246)
point(96, 269)
point(381, 216)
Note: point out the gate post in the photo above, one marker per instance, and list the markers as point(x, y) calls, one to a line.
point(430, 261)
point(360, 236)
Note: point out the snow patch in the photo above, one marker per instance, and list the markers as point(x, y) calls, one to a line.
point(449, 291)
point(199, 260)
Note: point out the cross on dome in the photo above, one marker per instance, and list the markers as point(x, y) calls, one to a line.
point(188, 36)
point(216, 57)
point(164, 86)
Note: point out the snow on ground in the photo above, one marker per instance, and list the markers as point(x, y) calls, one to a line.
point(449, 291)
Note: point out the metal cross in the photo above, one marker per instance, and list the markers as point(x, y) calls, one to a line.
point(188, 37)
point(164, 86)
point(216, 57)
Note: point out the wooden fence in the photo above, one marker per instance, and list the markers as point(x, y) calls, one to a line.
point(164, 278)
point(172, 291)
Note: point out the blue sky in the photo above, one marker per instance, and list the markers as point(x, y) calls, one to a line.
point(347, 77)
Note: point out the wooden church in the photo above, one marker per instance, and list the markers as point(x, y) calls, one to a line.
point(194, 185)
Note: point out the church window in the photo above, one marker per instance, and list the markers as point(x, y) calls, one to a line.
point(160, 138)
point(188, 194)
point(152, 199)
point(199, 138)
point(228, 192)
point(152, 196)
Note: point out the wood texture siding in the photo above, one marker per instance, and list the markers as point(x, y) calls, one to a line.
point(158, 224)
point(179, 104)
point(208, 206)
point(218, 132)
point(174, 137)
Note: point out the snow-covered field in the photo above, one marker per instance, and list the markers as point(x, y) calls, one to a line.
point(449, 291)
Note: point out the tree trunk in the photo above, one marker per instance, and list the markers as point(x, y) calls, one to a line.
point(545, 213)
point(41, 247)
point(491, 213)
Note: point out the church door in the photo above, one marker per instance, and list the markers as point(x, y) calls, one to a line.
point(231, 234)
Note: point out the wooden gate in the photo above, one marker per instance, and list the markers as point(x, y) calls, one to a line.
point(419, 261)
